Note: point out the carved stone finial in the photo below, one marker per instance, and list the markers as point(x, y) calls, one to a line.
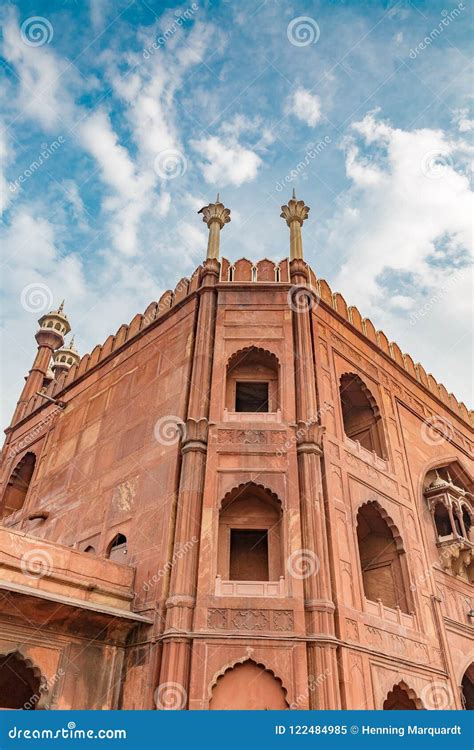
point(215, 215)
point(295, 213)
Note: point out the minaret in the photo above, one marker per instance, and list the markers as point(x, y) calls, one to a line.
point(50, 336)
point(215, 215)
point(319, 607)
point(64, 358)
point(181, 600)
point(295, 214)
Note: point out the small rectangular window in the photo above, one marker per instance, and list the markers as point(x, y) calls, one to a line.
point(251, 397)
point(248, 555)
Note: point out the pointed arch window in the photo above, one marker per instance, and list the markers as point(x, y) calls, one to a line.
point(21, 684)
point(117, 549)
point(250, 543)
point(18, 485)
point(253, 382)
point(383, 564)
point(361, 415)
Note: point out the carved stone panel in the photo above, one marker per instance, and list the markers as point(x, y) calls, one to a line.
point(280, 620)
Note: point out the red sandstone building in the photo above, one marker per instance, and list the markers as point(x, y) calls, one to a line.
point(246, 498)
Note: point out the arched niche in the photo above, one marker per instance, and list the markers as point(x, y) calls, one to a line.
point(22, 686)
point(118, 549)
point(248, 686)
point(402, 698)
point(18, 485)
point(250, 535)
point(467, 688)
point(252, 384)
point(382, 559)
point(361, 414)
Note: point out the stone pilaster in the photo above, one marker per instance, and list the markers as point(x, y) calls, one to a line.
point(319, 607)
point(180, 604)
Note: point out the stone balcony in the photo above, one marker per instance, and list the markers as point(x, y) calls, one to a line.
point(37, 569)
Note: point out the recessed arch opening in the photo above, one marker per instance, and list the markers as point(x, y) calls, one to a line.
point(382, 559)
point(253, 381)
point(361, 415)
point(247, 686)
point(18, 485)
point(250, 535)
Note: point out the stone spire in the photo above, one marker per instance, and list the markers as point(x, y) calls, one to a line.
point(215, 215)
point(294, 214)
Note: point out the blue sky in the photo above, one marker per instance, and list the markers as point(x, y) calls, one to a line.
point(137, 113)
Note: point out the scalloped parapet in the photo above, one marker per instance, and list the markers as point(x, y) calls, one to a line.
point(264, 271)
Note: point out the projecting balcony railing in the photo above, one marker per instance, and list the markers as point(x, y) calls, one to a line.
point(257, 416)
point(391, 615)
point(364, 453)
point(250, 588)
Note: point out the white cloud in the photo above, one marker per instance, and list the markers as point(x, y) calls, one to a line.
point(226, 162)
point(409, 218)
point(42, 94)
point(305, 106)
point(463, 121)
